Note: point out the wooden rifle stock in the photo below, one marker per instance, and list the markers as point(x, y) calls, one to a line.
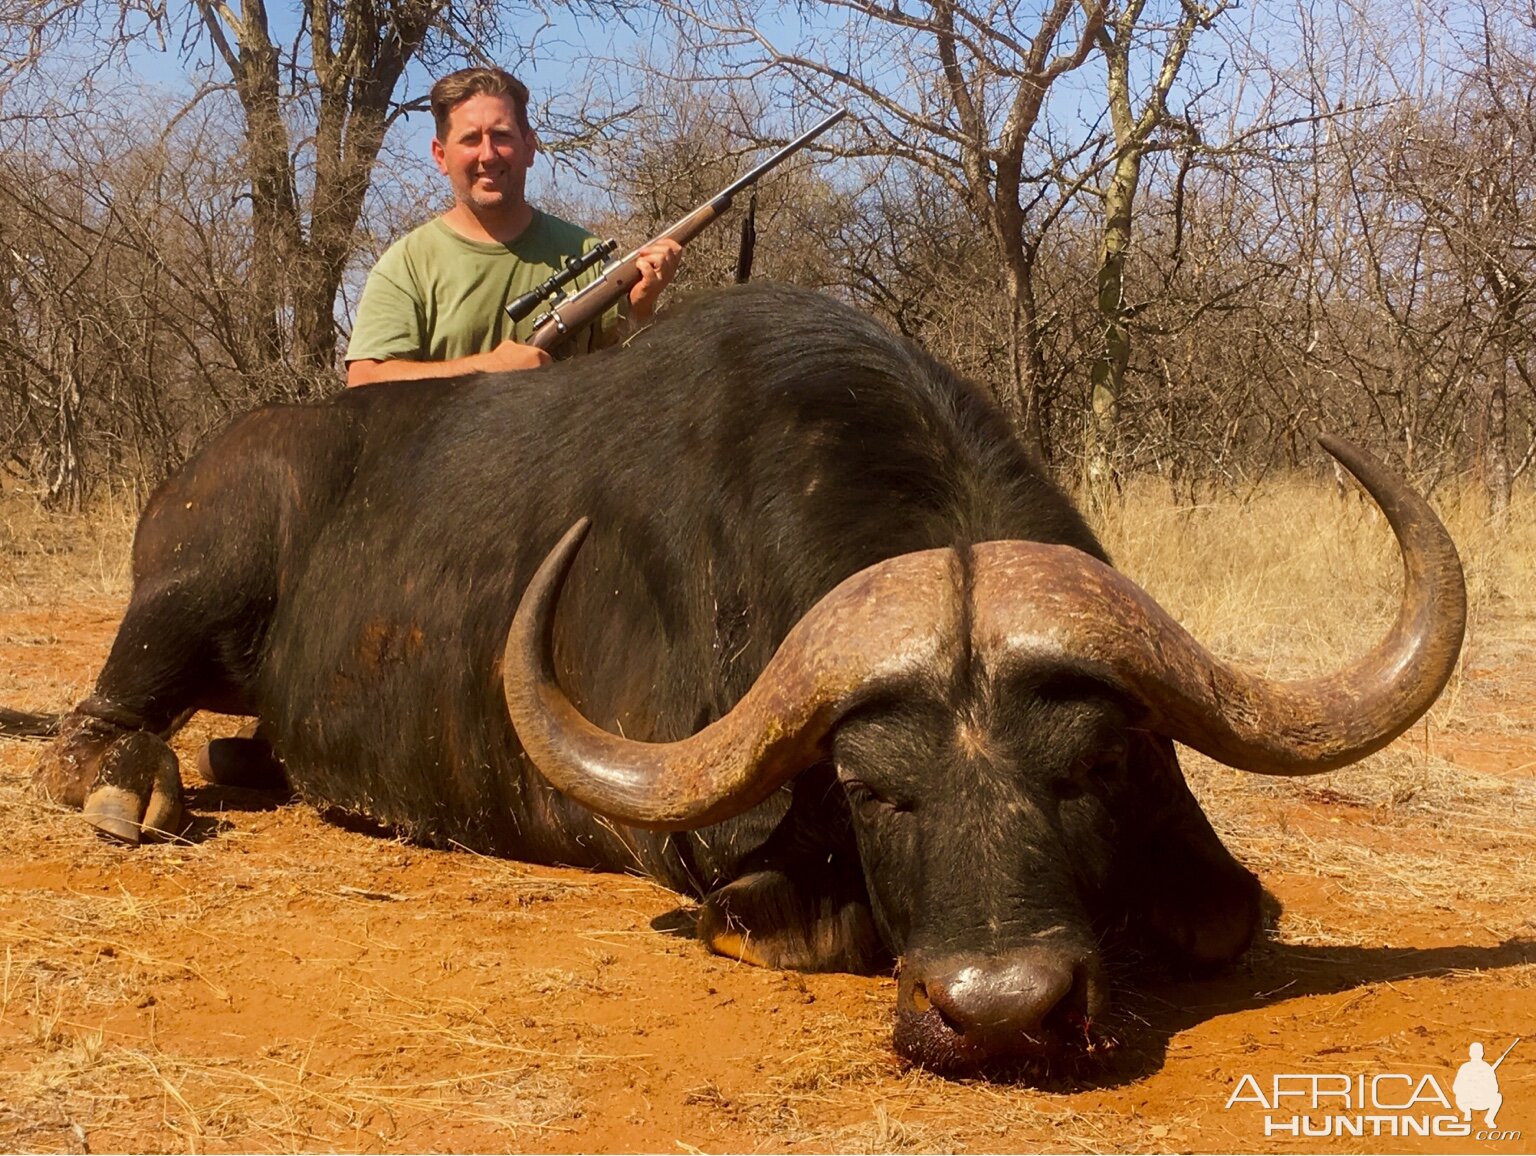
point(585, 307)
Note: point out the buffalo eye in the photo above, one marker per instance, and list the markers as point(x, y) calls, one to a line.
point(1098, 767)
point(868, 800)
point(1068, 787)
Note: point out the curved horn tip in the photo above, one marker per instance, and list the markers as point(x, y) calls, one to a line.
point(1344, 451)
point(534, 613)
point(572, 539)
point(552, 572)
point(1375, 475)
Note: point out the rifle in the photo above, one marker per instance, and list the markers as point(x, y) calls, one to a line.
point(567, 315)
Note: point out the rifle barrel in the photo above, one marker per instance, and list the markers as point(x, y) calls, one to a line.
point(620, 276)
point(788, 150)
point(1507, 1050)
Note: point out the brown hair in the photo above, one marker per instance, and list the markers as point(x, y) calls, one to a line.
point(457, 87)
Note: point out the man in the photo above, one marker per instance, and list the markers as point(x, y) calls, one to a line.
point(1477, 1085)
point(434, 305)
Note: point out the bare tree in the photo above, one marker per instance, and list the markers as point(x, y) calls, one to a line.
point(1471, 173)
point(956, 90)
point(124, 297)
point(682, 144)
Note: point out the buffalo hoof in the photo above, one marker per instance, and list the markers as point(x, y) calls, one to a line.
point(245, 761)
point(67, 770)
point(137, 794)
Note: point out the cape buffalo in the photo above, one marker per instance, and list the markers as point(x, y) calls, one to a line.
point(835, 658)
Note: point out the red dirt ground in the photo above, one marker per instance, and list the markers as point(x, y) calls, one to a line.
point(279, 984)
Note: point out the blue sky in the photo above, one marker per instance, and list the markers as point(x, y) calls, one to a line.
point(568, 58)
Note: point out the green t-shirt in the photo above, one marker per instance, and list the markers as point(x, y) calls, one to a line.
point(435, 295)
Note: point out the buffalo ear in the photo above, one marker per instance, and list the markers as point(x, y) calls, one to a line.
point(1204, 918)
point(775, 918)
point(1184, 888)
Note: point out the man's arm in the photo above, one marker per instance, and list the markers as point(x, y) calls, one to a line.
point(390, 324)
point(507, 355)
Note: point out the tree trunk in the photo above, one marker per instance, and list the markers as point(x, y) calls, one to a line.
point(1107, 376)
point(297, 259)
point(1025, 406)
point(252, 60)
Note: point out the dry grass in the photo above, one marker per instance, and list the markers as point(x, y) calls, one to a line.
point(47, 556)
point(1298, 577)
point(187, 928)
point(83, 1087)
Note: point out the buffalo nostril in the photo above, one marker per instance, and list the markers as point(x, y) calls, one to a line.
point(1031, 993)
point(1074, 1011)
point(919, 1002)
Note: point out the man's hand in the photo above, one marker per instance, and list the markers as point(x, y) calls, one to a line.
point(657, 263)
point(511, 355)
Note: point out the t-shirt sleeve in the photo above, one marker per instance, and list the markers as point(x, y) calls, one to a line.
point(390, 321)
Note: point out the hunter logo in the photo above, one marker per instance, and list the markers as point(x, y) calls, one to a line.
point(1477, 1085)
point(1339, 1104)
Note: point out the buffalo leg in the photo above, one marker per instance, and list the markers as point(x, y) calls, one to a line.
point(111, 758)
point(209, 556)
point(791, 905)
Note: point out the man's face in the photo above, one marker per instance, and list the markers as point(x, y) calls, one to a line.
point(486, 154)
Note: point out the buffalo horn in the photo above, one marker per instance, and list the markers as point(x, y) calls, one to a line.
point(1053, 605)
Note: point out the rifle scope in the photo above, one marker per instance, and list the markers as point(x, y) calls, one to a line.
point(520, 307)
